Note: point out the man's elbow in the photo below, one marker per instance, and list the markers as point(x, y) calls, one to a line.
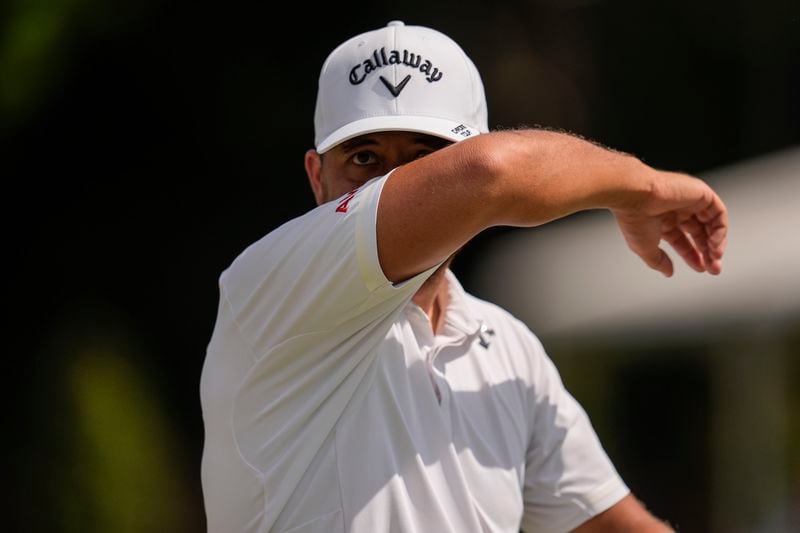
point(485, 167)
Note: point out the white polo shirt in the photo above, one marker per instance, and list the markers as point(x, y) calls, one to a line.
point(330, 406)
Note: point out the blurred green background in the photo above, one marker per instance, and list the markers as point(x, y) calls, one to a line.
point(145, 143)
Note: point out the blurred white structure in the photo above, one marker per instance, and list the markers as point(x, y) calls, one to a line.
point(576, 279)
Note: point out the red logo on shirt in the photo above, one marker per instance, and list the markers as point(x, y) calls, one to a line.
point(342, 207)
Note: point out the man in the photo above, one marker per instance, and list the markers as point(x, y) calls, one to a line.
point(351, 385)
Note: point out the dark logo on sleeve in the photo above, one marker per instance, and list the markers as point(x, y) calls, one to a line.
point(383, 58)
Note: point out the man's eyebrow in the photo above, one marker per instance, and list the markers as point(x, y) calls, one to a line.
point(357, 143)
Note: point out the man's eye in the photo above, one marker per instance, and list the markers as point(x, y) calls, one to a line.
point(364, 158)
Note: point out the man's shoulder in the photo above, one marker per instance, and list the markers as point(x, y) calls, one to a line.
point(285, 235)
point(312, 227)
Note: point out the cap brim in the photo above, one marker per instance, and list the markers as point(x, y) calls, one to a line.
point(438, 127)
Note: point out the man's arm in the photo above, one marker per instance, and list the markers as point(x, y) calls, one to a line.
point(627, 515)
point(431, 207)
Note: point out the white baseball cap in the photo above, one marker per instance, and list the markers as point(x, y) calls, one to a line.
point(398, 78)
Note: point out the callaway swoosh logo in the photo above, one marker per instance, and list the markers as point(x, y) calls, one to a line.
point(395, 90)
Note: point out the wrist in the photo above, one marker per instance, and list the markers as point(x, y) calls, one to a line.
point(634, 184)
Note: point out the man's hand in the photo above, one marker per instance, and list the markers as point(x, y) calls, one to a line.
point(684, 212)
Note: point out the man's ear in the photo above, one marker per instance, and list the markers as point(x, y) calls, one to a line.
point(313, 163)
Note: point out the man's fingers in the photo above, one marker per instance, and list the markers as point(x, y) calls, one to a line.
point(715, 209)
point(664, 264)
point(643, 235)
point(689, 216)
point(717, 231)
point(697, 232)
point(714, 218)
point(658, 260)
point(716, 238)
point(691, 252)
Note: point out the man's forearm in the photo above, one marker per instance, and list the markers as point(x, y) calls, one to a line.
point(433, 206)
point(543, 175)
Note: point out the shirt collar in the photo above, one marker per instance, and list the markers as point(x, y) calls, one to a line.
point(462, 321)
point(459, 313)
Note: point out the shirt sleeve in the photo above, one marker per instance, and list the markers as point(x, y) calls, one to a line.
point(314, 273)
point(569, 478)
